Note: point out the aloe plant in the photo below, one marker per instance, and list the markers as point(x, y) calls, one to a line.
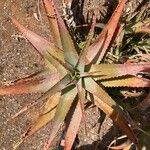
point(79, 74)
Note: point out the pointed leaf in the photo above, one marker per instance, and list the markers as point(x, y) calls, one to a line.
point(41, 84)
point(118, 118)
point(51, 103)
point(105, 71)
point(42, 46)
point(105, 38)
point(134, 82)
point(51, 61)
point(46, 116)
point(93, 51)
point(56, 88)
point(53, 23)
point(60, 65)
point(62, 109)
point(81, 95)
point(70, 52)
point(109, 106)
point(73, 127)
point(98, 91)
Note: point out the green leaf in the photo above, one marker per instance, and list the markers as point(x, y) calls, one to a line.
point(63, 107)
point(131, 81)
point(105, 71)
point(93, 51)
point(69, 48)
point(94, 88)
point(109, 106)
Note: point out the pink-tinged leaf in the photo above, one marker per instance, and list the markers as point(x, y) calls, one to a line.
point(73, 127)
point(44, 47)
point(34, 76)
point(41, 84)
point(109, 106)
point(106, 71)
point(69, 48)
point(117, 117)
point(100, 46)
point(41, 44)
point(53, 23)
point(93, 50)
point(61, 111)
point(56, 88)
point(134, 82)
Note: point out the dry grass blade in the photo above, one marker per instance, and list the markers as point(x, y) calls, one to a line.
point(121, 146)
point(142, 27)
